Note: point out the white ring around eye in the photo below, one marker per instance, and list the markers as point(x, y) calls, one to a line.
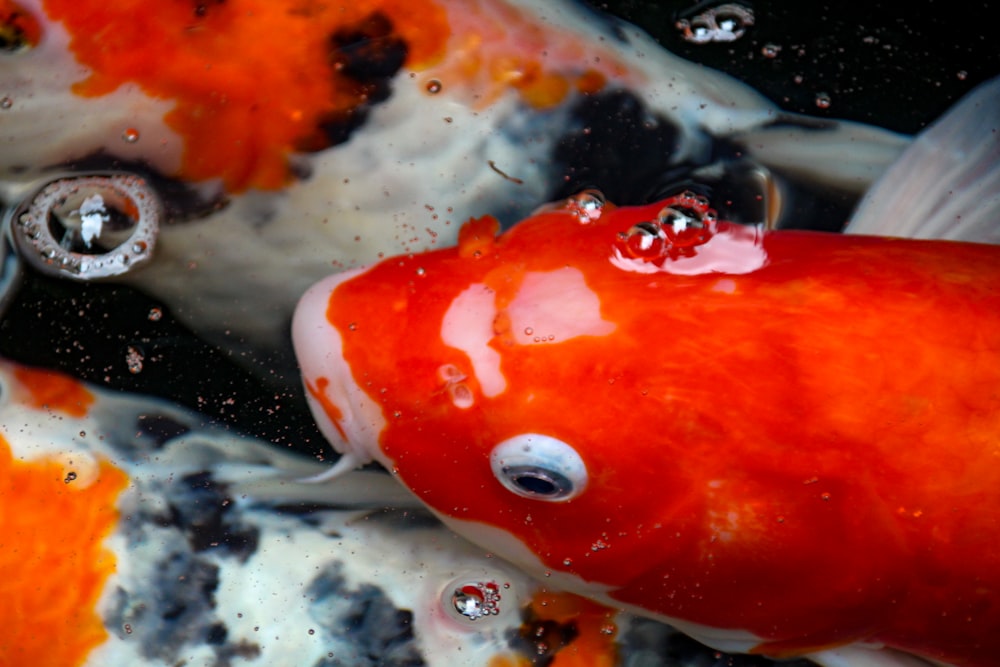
point(539, 467)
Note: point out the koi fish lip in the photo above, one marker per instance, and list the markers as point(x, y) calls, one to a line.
point(349, 419)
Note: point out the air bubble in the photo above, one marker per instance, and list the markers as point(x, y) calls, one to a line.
point(130, 136)
point(461, 396)
point(823, 100)
point(6, 103)
point(155, 314)
point(644, 241)
point(133, 359)
point(770, 50)
point(587, 205)
point(725, 23)
point(88, 226)
point(474, 600)
point(433, 87)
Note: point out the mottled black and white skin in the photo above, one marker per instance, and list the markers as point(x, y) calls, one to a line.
point(223, 557)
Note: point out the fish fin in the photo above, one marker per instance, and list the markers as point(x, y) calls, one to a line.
point(846, 156)
point(346, 463)
point(355, 489)
point(946, 185)
point(867, 656)
point(260, 472)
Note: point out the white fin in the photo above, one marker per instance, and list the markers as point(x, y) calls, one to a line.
point(946, 185)
point(863, 656)
point(838, 154)
point(263, 473)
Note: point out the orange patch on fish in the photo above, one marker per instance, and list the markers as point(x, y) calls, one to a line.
point(566, 630)
point(52, 558)
point(55, 391)
point(253, 81)
point(497, 46)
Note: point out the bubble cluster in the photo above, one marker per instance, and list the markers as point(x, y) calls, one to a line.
point(454, 383)
point(725, 23)
point(684, 223)
point(476, 599)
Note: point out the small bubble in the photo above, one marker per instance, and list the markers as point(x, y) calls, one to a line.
point(70, 476)
point(133, 358)
point(962, 74)
point(353, 326)
point(528, 331)
point(433, 86)
point(130, 136)
point(567, 561)
point(770, 50)
point(822, 100)
point(155, 314)
point(6, 103)
point(311, 631)
point(83, 434)
point(128, 628)
point(421, 271)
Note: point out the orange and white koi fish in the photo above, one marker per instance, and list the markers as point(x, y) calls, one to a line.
point(779, 442)
point(130, 534)
point(239, 151)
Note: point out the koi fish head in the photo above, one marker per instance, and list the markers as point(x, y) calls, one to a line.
point(512, 367)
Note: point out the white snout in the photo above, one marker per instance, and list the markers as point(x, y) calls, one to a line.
point(345, 414)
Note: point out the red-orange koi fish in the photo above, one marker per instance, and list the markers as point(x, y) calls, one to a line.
point(780, 442)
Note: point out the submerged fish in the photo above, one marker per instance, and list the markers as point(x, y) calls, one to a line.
point(779, 442)
point(130, 534)
point(238, 151)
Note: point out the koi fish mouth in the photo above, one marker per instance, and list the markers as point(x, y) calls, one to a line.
point(345, 414)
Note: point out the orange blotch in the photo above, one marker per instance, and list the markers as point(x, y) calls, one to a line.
point(253, 80)
point(549, 615)
point(318, 392)
point(55, 391)
point(496, 47)
point(591, 642)
point(18, 28)
point(594, 645)
point(53, 562)
point(477, 236)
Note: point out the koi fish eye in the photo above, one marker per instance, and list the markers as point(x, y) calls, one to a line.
point(539, 467)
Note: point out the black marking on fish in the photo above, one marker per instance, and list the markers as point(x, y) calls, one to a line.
point(369, 53)
point(540, 640)
point(379, 634)
point(203, 509)
point(181, 202)
point(616, 144)
point(171, 610)
point(160, 428)
point(644, 641)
